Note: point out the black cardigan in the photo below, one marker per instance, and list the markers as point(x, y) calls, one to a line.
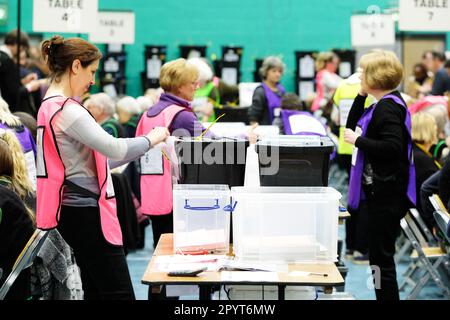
point(16, 229)
point(385, 145)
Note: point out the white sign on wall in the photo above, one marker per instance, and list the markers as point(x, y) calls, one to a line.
point(372, 30)
point(424, 15)
point(113, 27)
point(72, 16)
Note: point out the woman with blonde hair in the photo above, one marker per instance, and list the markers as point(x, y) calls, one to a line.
point(327, 80)
point(179, 80)
point(12, 122)
point(16, 220)
point(382, 163)
point(424, 136)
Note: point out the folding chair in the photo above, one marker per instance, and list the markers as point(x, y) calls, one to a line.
point(25, 259)
point(442, 220)
point(429, 237)
point(437, 203)
point(413, 267)
point(424, 256)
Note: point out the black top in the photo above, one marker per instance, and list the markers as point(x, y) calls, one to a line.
point(12, 91)
point(444, 183)
point(441, 82)
point(385, 145)
point(16, 228)
point(259, 110)
point(425, 167)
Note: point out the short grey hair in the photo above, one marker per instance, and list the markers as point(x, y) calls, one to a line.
point(103, 101)
point(271, 62)
point(128, 104)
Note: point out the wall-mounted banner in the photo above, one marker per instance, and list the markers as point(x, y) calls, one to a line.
point(424, 15)
point(71, 16)
point(113, 27)
point(372, 30)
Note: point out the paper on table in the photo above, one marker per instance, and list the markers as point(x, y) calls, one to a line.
point(254, 276)
point(176, 262)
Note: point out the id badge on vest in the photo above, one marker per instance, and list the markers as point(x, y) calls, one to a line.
point(31, 166)
point(358, 131)
point(152, 162)
point(276, 112)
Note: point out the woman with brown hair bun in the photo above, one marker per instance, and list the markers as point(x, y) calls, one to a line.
point(74, 188)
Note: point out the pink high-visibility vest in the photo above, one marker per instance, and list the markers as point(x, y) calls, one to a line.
point(51, 176)
point(156, 187)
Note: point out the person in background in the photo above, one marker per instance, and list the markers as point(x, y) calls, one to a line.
point(266, 100)
point(441, 82)
point(419, 84)
point(179, 80)
point(128, 112)
point(212, 91)
point(383, 171)
point(296, 120)
point(144, 102)
point(75, 193)
point(424, 135)
point(327, 81)
point(28, 144)
point(13, 90)
point(28, 121)
point(103, 109)
point(17, 221)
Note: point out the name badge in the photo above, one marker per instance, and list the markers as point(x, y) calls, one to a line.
point(358, 131)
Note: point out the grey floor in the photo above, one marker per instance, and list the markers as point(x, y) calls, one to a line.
point(355, 282)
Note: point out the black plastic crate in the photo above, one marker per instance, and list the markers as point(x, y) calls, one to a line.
point(302, 161)
point(225, 166)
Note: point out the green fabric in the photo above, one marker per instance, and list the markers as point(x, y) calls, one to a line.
point(111, 124)
point(206, 91)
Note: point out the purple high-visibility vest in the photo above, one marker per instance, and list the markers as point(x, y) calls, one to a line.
point(355, 192)
point(273, 99)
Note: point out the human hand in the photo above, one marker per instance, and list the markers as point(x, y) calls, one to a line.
point(158, 135)
point(28, 78)
point(33, 85)
point(350, 136)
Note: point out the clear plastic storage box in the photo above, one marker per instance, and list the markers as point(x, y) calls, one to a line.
point(294, 224)
point(201, 218)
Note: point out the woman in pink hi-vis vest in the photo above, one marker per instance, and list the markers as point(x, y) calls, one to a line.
point(74, 188)
point(179, 80)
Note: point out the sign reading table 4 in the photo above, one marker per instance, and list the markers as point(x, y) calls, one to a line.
point(73, 16)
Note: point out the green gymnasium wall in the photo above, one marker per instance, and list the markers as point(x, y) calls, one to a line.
point(262, 27)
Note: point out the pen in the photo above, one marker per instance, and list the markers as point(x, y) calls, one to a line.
point(319, 274)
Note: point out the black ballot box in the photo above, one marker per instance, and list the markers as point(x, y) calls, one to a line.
point(294, 160)
point(232, 114)
point(212, 161)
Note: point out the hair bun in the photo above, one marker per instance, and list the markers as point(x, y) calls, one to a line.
point(52, 44)
point(56, 40)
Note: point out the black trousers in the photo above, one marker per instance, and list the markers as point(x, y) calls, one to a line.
point(104, 269)
point(357, 229)
point(385, 212)
point(161, 224)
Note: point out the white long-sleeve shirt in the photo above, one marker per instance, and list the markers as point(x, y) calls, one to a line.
point(77, 134)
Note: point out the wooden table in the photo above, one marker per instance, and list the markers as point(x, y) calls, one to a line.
point(208, 279)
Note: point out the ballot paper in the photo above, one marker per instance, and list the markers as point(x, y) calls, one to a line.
point(187, 262)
